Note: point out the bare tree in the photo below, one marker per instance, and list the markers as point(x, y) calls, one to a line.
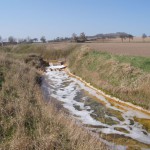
point(57, 39)
point(74, 37)
point(103, 38)
point(122, 37)
point(83, 37)
point(35, 39)
point(130, 37)
point(31, 41)
point(20, 40)
point(11, 39)
point(144, 36)
point(43, 39)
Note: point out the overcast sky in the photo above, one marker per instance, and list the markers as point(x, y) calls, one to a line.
point(53, 18)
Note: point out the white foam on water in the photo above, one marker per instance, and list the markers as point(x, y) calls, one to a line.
point(65, 88)
point(56, 67)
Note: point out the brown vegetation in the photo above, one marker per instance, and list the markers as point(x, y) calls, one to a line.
point(107, 72)
point(25, 117)
point(27, 122)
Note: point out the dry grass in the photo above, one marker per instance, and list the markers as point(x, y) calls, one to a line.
point(119, 76)
point(60, 45)
point(27, 122)
point(126, 77)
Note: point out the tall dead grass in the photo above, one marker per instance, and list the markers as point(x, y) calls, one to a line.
point(27, 122)
point(125, 77)
point(119, 79)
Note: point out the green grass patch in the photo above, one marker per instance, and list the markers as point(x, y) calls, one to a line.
point(142, 63)
point(118, 75)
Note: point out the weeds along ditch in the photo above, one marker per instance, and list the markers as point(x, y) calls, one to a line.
point(125, 77)
point(24, 116)
point(26, 120)
point(93, 110)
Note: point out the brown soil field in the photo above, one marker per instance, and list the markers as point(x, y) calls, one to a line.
point(135, 48)
point(118, 40)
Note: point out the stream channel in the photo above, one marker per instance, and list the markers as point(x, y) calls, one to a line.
point(118, 126)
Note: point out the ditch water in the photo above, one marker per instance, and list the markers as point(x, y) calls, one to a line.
point(121, 127)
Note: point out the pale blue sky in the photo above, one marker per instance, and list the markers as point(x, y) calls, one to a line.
point(53, 18)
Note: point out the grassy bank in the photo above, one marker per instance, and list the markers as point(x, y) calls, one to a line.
point(26, 121)
point(43, 50)
point(125, 77)
point(25, 117)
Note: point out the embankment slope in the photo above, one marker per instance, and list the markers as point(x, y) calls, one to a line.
point(26, 120)
point(125, 77)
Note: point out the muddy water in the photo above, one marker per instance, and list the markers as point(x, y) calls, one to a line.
point(115, 125)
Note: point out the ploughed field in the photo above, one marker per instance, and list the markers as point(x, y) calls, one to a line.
point(118, 127)
point(133, 49)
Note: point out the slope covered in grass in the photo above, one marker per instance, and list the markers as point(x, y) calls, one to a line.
point(126, 77)
point(27, 121)
point(25, 117)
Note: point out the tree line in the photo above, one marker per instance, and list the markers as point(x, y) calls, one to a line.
point(75, 38)
point(80, 38)
point(130, 37)
point(13, 40)
point(123, 36)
